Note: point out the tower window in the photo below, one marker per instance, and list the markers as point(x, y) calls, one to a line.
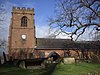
point(24, 21)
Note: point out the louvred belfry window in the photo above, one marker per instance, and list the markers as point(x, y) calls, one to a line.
point(24, 21)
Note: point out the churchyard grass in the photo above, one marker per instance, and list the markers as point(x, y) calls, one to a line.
point(77, 69)
point(12, 70)
point(60, 69)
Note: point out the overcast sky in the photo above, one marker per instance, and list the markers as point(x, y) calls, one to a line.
point(43, 10)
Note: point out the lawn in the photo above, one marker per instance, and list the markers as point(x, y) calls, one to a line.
point(60, 69)
point(76, 69)
point(11, 70)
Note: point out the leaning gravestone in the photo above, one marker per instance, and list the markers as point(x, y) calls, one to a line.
point(2, 60)
point(69, 60)
point(22, 65)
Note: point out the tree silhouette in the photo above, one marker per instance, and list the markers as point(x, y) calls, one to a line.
point(73, 17)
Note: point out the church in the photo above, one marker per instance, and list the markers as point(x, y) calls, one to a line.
point(23, 44)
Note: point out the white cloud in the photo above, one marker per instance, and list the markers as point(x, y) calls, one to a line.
point(88, 35)
point(63, 36)
point(42, 31)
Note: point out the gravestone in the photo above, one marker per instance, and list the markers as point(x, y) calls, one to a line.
point(22, 65)
point(69, 60)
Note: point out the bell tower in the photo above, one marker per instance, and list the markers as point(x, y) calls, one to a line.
point(21, 31)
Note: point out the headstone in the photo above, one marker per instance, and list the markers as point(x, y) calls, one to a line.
point(2, 60)
point(69, 60)
point(22, 65)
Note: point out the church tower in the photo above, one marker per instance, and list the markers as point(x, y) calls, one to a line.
point(21, 32)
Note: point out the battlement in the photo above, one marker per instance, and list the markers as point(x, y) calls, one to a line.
point(23, 8)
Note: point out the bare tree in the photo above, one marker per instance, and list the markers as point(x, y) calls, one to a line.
point(3, 43)
point(2, 13)
point(3, 46)
point(73, 17)
point(96, 36)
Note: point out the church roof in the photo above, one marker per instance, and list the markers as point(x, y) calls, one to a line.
point(51, 43)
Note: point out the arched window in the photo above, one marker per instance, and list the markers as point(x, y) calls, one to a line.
point(24, 21)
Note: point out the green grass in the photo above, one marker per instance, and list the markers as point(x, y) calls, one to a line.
point(11, 70)
point(60, 69)
point(76, 69)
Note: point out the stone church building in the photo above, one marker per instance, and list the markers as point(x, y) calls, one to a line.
point(23, 44)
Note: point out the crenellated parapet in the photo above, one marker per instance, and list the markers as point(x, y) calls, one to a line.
point(22, 10)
